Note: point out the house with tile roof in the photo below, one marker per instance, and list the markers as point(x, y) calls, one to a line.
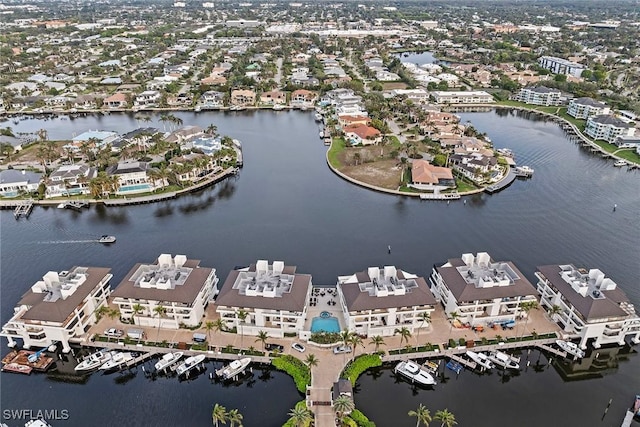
point(425, 176)
point(360, 134)
point(60, 307)
point(265, 297)
point(70, 180)
point(480, 290)
point(379, 301)
point(177, 284)
point(587, 304)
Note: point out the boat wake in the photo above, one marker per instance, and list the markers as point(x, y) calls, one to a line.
point(52, 242)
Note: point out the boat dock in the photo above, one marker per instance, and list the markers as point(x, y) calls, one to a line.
point(21, 358)
point(439, 196)
point(464, 362)
point(551, 350)
point(76, 205)
point(23, 208)
point(502, 184)
point(140, 359)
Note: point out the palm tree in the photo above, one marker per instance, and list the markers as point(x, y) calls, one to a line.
point(311, 360)
point(219, 325)
point(454, 316)
point(404, 333)
point(164, 118)
point(555, 309)
point(104, 309)
point(160, 310)
point(212, 129)
point(209, 326)
point(137, 308)
point(527, 306)
point(355, 340)
point(423, 415)
point(423, 317)
point(234, 417)
point(262, 337)
point(42, 135)
point(343, 405)
point(447, 418)
point(219, 414)
point(241, 316)
point(300, 416)
point(377, 341)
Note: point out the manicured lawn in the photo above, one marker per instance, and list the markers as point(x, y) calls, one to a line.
point(463, 186)
point(337, 146)
point(509, 103)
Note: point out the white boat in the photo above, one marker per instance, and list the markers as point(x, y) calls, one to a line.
point(278, 107)
point(107, 239)
point(620, 163)
point(570, 348)
point(524, 171)
point(503, 360)
point(233, 368)
point(94, 360)
point(116, 361)
point(414, 372)
point(38, 422)
point(318, 117)
point(481, 359)
point(189, 364)
point(168, 360)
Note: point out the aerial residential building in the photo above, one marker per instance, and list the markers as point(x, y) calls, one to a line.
point(13, 182)
point(425, 176)
point(481, 290)
point(608, 128)
point(464, 97)
point(539, 95)
point(587, 304)
point(561, 66)
point(265, 297)
point(60, 307)
point(70, 180)
point(95, 138)
point(132, 177)
point(148, 98)
point(273, 97)
point(172, 292)
point(583, 108)
point(361, 134)
point(117, 100)
point(243, 97)
point(379, 301)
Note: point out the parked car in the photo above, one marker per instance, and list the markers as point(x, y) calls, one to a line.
point(342, 349)
point(297, 346)
point(113, 333)
point(274, 347)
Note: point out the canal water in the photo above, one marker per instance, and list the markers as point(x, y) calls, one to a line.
point(286, 205)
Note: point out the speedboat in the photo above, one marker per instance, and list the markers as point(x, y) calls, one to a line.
point(620, 163)
point(116, 361)
point(168, 360)
point(414, 372)
point(278, 107)
point(94, 360)
point(318, 117)
point(571, 348)
point(233, 368)
point(524, 171)
point(107, 239)
point(190, 363)
point(503, 360)
point(481, 359)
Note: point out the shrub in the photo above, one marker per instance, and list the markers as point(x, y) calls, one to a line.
point(360, 364)
point(361, 419)
point(325, 337)
point(462, 341)
point(452, 343)
point(295, 368)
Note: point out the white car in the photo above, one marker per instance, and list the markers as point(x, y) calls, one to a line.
point(113, 333)
point(342, 349)
point(298, 346)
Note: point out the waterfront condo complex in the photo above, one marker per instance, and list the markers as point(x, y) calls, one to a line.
point(587, 304)
point(60, 307)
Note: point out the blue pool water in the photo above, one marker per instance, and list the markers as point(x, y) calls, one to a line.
point(328, 324)
point(135, 187)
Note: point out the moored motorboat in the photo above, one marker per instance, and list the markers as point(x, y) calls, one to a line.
point(524, 171)
point(414, 372)
point(481, 359)
point(189, 364)
point(168, 360)
point(571, 348)
point(94, 360)
point(503, 360)
point(233, 368)
point(620, 163)
point(116, 361)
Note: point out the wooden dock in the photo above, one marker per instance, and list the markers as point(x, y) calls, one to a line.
point(23, 208)
point(551, 350)
point(21, 357)
point(140, 359)
point(504, 183)
point(464, 362)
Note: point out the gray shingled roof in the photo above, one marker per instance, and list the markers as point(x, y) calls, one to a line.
point(185, 293)
point(295, 300)
point(589, 101)
point(61, 309)
point(611, 120)
point(588, 307)
point(465, 292)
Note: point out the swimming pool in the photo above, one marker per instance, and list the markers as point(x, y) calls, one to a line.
point(325, 324)
point(134, 187)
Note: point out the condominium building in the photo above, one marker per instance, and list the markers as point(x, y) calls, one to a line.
point(587, 304)
point(608, 128)
point(538, 95)
point(480, 290)
point(172, 292)
point(60, 307)
point(380, 301)
point(462, 97)
point(265, 297)
point(561, 66)
point(583, 108)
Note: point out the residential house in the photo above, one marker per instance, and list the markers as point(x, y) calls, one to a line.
point(273, 97)
point(588, 305)
point(303, 96)
point(243, 97)
point(132, 177)
point(117, 100)
point(583, 108)
point(346, 120)
point(96, 138)
point(425, 176)
point(193, 167)
point(212, 99)
point(171, 293)
point(539, 95)
point(13, 182)
point(379, 301)
point(148, 98)
point(265, 297)
point(70, 180)
point(362, 134)
point(464, 97)
point(480, 290)
point(608, 128)
point(59, 308)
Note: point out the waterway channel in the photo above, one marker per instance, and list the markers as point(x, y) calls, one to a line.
point(287, 205)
